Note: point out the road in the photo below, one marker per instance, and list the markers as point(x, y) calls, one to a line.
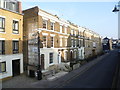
point(99, 76)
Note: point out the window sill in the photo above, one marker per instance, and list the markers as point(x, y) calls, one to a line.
point(3, 32)
point(3, 73)
point(15, 53)
point(51, 64)
point(44, 47)
point(16, 33)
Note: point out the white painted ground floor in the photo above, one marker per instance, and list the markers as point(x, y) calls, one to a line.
point(11, 65)
point(54, 56)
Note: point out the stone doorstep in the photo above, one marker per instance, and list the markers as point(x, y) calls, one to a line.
point(75, 66)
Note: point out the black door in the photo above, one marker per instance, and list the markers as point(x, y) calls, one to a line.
point(71, 56)
point(42, 61)
point(16, 67)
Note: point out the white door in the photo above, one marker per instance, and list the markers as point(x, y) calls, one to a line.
point(59, 57)
point(79, 54)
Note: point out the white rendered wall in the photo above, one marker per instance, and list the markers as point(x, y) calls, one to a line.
point(8, 59)
point(81, 55)
point(46, 52)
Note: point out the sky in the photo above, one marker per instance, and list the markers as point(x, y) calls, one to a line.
point(97, 16)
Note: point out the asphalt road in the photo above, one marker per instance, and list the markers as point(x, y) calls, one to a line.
point(99, 76)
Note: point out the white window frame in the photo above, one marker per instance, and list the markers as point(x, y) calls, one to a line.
point(52, 42)
point(79, 43)
point(75, 43)
point(53, 25)
point(66, 41)
point(72, 31)
point(61, 28)
point(66, 30)
point(72, 42)
point(65, 55)
point(2, 47)
point(52, 57)
point(14, 30)
point(2, 3)
point(2, 64)
point(2, 24)
point(75, 54)
point(61, 40)
point(14, 51)
point(75, 33)
point(45, 42)
point(45, 22)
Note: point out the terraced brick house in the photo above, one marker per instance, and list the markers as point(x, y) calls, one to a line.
point(11, 37)
point(60, 40)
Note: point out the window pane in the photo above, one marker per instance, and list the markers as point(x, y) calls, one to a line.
point(65, 42)
point(61, 28)
point(3, 24)
point(51, 58)
point(15, 26)
point(2, 47)
point(2, 67)
point(65, 55)
point(15, 47)
point(44, 24)
point(66, 30)
point(52, 26)
point(0, 22)
point(60, 41)
point(52, 41)
point(1, 3)
point(44, 41)
point(13, 7)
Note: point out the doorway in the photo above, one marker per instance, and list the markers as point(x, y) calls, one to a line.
point(59, 57)
point(42, 61)
point(16, 67)
point(71, 55)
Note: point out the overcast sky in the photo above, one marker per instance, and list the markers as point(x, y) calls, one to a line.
point(96, 16)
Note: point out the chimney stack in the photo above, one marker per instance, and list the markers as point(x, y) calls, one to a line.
point(20, 7)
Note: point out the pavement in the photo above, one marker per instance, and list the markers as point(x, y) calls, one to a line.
point(55, 81)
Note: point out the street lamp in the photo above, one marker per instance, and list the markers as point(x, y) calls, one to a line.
point(84, 38)
point(39, 73)
point(116, 9)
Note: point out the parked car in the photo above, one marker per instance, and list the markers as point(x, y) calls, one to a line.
point(106, 51)
point(118, 45)
point(119, 52)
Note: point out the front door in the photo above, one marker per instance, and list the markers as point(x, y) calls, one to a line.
point(42, 61)
point(80, 54)
point(71, 56)
point(59, 57)
point(16, 67)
